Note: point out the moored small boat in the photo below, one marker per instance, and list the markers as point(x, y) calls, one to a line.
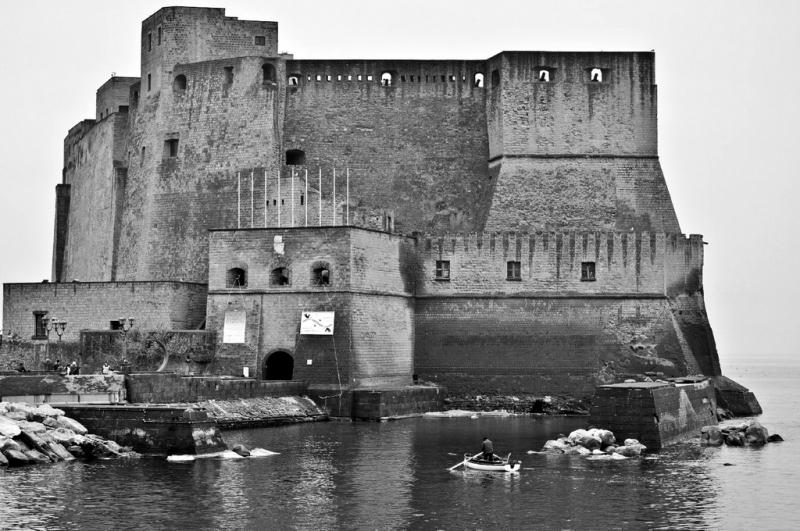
point(498, 464)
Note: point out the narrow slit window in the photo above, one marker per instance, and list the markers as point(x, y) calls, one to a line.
point(149, 42)
point(442, 269)
point(513, 270)
point(587, 271)
point(158, 41)
point(149, 82)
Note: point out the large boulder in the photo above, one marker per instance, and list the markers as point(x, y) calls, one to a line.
point(99, 447)
point(734, 438)
point(630, 450)
point(756, 434)
point(50, 422)
point(17, 457)
point(16, 415)
point(37, 457)
point(711, 436)
point(557, 445)
point(576, 435)
point(60, 451)
point(10, 444)
point(66, 437)
point(606, 437)
point(44, 411)
point(589, 442)
point(72, 424)
point(32, 427)
point(3, 460)
point(8, 428)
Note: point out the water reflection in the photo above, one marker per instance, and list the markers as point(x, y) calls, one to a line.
point(377, 476)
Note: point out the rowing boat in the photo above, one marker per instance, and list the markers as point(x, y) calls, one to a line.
point(498, 464)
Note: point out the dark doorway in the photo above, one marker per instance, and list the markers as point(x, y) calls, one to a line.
point(279, 366)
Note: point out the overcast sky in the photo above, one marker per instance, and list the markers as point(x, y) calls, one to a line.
point(728, 83)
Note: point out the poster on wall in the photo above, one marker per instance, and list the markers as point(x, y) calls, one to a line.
point(316, 323)
point(233, 329)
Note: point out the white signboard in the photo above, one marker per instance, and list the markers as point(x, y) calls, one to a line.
point(316, 323)
point(233, 330)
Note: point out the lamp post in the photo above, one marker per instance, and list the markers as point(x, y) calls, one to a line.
point(49, 323)
point(58, 326)
point(125, 323)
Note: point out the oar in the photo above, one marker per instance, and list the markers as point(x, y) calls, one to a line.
point(464, 461)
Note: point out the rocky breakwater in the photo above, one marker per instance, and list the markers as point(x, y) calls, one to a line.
point(595, 443)
point(747, 434)
point(43, 434)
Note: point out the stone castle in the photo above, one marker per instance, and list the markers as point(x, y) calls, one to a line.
point(498, 225)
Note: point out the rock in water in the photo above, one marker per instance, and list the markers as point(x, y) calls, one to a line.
point(8, 428)
point(3, 460)
point(734, 438)
point(72, 424)
point(241, 450)
point(775, 438)
point(17, 457)
point(37, 457)
point(756, 434)
point(711, 436)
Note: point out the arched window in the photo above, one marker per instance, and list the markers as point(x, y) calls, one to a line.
point(544, 75)
point(279, 366)
point(294, 80)
point(596, 75)
point(386, 79)
point(180, 83)
point(236, 277)
point(279, 276)
point(321, 274)
point(295, 157)
point(268, 73)
point(478, 80)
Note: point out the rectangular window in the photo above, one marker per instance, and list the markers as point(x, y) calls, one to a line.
point(442, 269)
point(587, 271)
point(171, 148)
point(149, 84)
point(261, 40)
point(513, 271)
point(39, 328)
point(159, 36)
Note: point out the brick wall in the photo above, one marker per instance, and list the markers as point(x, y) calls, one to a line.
point(92, 305)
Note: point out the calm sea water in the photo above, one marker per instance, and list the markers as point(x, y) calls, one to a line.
point(393, 475)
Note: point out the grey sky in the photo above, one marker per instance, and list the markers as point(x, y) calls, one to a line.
point(728, 113)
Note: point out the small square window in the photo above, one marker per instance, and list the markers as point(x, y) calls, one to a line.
point(587, 271)
point(442, 269)
point(513, 271)
point(171, 148)
point(261, 40)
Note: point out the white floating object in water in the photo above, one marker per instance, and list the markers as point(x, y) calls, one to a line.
point(230, 454)
point(184, 458)
point(261, 452)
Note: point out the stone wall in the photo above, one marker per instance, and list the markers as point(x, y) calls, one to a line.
point(93, 305)
point(160, 388)
point(553, 345)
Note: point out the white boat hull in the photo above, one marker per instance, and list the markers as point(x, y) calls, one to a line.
point(499, 467)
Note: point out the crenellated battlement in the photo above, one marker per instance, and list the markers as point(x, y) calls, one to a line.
point(606, 263)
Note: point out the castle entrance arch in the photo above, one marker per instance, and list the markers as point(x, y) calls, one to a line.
point(279, 366)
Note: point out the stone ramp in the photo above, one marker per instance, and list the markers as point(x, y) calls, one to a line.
point(262, 411)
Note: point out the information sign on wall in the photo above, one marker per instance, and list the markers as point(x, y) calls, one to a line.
point(316, 323)
point(233, 330)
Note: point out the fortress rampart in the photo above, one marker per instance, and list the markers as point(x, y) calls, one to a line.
point(490, 224)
